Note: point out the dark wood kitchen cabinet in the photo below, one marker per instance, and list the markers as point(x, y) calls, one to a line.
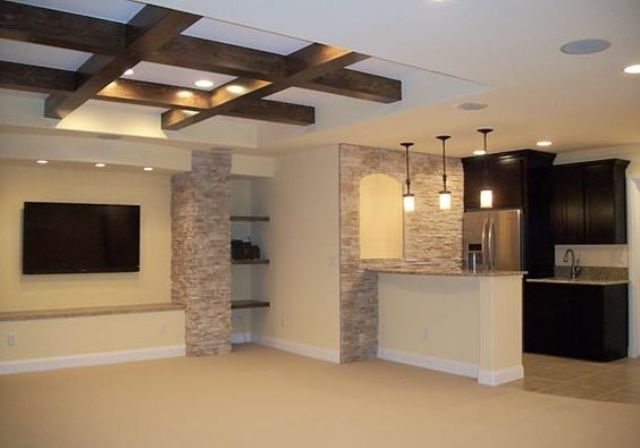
point(576, 320)
point(589, 202)
point(519, 179)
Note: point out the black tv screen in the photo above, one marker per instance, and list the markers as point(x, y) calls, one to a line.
point(80, 238)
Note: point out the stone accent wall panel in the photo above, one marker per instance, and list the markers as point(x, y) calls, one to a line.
point(200, 264)
point(431, 235)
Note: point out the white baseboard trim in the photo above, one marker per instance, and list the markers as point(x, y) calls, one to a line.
point(429, 362)
point(497, 377)
point(300, 349)
point(241, 338)
point(90, 359)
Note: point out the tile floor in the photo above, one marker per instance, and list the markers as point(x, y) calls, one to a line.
point(611, 381)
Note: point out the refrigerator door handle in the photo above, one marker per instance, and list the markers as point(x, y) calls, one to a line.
point(485, 252)
point(491, 244)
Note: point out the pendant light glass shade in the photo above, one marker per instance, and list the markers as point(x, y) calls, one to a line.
point(486, 194)
point(409, 202)
point(486, 198)
point(444, 200)
point(408, 199)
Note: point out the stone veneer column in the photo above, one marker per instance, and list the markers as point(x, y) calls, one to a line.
point(200, 263)
point(431, 235)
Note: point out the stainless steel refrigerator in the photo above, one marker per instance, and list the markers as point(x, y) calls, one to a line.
point(493, 240)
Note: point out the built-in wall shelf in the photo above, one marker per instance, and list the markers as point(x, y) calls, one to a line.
point(89, 311)
point(250, 219)
point(249, 261)
point(247, 304)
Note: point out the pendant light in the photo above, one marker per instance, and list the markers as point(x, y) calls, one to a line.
point(444, 195)
point(409, 200)
point(486, 194)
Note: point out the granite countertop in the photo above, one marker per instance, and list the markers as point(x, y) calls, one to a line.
point(88, 311)
point(421, 269)
point(578, 281)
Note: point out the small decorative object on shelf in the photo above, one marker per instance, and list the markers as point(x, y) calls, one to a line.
point(244, 250)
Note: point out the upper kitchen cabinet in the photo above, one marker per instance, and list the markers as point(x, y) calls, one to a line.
point(517, 178)
point(589, 202)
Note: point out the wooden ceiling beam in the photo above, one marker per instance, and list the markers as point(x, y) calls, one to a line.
point(63, 82)
point(357, 84)
point(218, 57)
point(75, 32)
point(303, 65)
point(147, 31)
point(27, 23)
point(30, 78)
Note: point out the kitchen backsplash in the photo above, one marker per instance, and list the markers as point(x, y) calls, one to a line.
point(601, 255)
point(594, 272)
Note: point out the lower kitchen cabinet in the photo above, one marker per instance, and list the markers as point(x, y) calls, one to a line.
point(576, 320)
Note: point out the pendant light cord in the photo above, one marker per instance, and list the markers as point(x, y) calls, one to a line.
point(485, 173)
point(406, 159)
point(443, 139)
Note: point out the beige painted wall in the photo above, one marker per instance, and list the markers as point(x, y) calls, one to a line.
point(48, 183)
point(303, 278)
point(381, 217)
point(44, 338)
point(430, 316)
point(472, 320)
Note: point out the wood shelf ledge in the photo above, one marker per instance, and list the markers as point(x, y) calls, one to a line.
point(250, 218)
point(88, 311)
point(250, 262)
point(246, 304)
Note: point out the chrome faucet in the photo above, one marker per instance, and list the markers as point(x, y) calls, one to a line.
point(575, 268)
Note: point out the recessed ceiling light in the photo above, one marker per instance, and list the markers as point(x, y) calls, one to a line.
point(128, 72)
point(148, 168)
point(42, 162)
point(544, 143)
point(185, 94)
point(479, 152)
point(585, 46)
point(204, 83)
point(235, 88)
point(471, 106)
point(99, 165)
point(632, 69)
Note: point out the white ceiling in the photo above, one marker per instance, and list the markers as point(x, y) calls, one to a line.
point(511, 45)
point(244, 37)
point(500, 52)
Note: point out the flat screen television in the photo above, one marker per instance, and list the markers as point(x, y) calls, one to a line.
point(60, 238)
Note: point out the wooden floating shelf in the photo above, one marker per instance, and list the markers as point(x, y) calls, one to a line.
point(249, 261)
point(246, 304)
point(250, 218)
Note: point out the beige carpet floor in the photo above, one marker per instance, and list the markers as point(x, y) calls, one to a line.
point(261, 398)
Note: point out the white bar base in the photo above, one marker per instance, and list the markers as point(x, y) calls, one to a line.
point(497, 377)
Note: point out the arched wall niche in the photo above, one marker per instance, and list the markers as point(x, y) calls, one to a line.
point(381, 217)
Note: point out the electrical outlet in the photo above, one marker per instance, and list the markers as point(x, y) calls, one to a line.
point(283, 322)
point(12, 338)
point(163, 327)
point(425, 334)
